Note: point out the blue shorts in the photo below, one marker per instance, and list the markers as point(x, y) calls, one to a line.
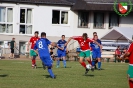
point(47, 60)
point(61, 54)
point(96, 54)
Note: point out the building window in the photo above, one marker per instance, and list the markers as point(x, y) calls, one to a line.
point(25, 21)
point(113, 20)
point(83, 19)
point(99, 20)
point(6, 20)
point(59, 17)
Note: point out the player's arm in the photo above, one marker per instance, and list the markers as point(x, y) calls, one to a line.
point(58, 46)
point(130, 49)
point(9, 45)
point(50, 43)
point(28, 45)
point(35, 48)
point(100, 45)
point(91, 40)
point(15, 44)
point(68, 40)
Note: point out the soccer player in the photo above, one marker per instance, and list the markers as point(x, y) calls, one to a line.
point(85, 49)
point(129, 53)
point(96, 61)
point(96, 52)
point(41, 47)
point(61, 45)
point(32, 53)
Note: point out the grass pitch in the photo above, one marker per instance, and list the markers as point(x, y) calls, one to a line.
point(19, 74)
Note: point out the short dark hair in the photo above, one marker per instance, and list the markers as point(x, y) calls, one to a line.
point(63, 36)
point(43, 34)
point(94, 33)
point(36, 32)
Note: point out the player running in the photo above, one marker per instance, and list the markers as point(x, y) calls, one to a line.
point(85, 49)
point(96, 52)
point(129, 54)
point(43, 51)
point(61, 45)
point(32, 53)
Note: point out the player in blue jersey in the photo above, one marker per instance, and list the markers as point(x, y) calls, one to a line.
point(96, 52)
point(61, 45)
point(41, 48)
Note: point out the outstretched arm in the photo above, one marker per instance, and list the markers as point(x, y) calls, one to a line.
point(68, 41)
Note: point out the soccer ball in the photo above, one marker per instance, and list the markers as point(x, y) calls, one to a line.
point(88, 66)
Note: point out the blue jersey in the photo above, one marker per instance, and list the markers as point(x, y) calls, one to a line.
point(61, 44)
point(94, 46)
point(42, 46)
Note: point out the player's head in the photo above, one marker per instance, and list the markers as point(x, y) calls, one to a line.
point(94, 33)
point(36, 33)
point(13, 39)
point(63, 37)
point(85, 36)
point(43, 35)
point(118, 47)
point(95, 37)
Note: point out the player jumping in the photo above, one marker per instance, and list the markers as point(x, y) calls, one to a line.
point(43, 51)
point(32, 53)
point(85, 49)
point(129, 54)
point(96, 52)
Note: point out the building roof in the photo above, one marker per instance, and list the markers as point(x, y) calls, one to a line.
point(104, 5)
point(47, 2)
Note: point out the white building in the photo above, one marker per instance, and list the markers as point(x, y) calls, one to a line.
point(20, 18)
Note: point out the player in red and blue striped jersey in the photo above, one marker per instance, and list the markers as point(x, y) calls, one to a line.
point(42, 47)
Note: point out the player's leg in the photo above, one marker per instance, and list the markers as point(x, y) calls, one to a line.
point(58, 59)
point(93, 59)
point(64, 58)
point(81, 61)
point(10, 55)
point(130, 76)
point(33, 58)
point(88, 55)
point(13, 53)
point(99, 60)
point(48, 62)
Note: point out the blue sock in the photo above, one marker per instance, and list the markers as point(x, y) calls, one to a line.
point(58, 62)
point(99, 64)
point(64, 62)
point(93, 63)
point(50, 72)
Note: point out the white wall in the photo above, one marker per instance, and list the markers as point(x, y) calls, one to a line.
point(124, 22)
point(42, 19)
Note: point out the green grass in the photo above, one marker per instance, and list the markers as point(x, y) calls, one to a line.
point(18, 74)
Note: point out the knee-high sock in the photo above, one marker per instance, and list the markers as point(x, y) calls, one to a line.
point(34, 60)
point(99, 64)
point(90, 62)
point(58, 62)
point(93, 63)
point(96, 61)
point(83, 64)
point(131, 84)
point(50, 72)
point(64, 62)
